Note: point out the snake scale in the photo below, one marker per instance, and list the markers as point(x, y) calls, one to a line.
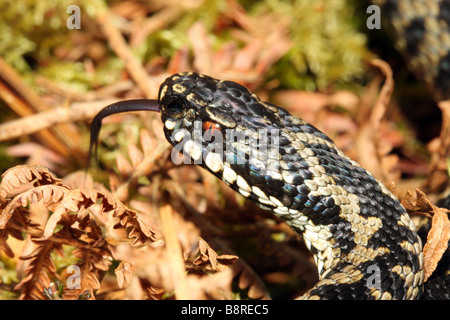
point(364, 243)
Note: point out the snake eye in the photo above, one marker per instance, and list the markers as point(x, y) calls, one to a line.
point(173, 107)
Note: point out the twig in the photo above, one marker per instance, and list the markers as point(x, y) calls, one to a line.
point(47, 119)
point(99, 94)
point(17, 104)
point(174, 253)
point(24, 101)
point(156, 22)
point(106, 22)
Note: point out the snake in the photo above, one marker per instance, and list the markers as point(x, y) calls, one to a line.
point(363, 241)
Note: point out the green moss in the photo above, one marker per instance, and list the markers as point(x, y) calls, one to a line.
point(166, 42)
point(327, 48)
point(31, 29)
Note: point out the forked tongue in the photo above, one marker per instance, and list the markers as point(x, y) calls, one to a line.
point(118, 107)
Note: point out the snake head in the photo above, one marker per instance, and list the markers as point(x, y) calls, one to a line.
point(200, 107)
point(210, 121)
point(223, 127)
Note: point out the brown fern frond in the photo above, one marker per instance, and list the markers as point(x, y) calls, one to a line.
point(81, 213)
point(85, 277)
point(13, 178)
point(207, 255)
point(124, 273)
point(129, 219)
point(63, 201)
point(51, 195)
point(79, 201)
point(21, 223)
point(39, 271)
point(4, 247)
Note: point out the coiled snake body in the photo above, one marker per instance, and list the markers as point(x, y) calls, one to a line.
point(421, 30)
point(363, 241)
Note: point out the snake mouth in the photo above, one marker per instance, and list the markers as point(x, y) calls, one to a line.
point(118, 107)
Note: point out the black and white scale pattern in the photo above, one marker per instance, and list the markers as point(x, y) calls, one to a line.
point(421, 30)
point(363, 241)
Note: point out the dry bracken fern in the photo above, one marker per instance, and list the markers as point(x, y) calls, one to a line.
point(73, 221)
point(86, 217)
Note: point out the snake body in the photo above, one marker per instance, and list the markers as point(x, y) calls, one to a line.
point(421, 30)
point(363, 241)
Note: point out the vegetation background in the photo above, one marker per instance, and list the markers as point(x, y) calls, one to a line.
point(139, 227)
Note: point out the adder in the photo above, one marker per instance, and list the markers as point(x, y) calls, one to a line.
point(364, 243)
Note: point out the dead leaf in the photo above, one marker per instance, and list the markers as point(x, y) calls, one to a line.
point(16, 176)
point(123, 165)
point(135, 154)
point(207, 254)
point(439, 234)
point(124, 272)
point(437, 240)
point(419, 204)
point(439, 148)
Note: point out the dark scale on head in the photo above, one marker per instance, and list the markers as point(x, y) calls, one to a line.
point(205, 94)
